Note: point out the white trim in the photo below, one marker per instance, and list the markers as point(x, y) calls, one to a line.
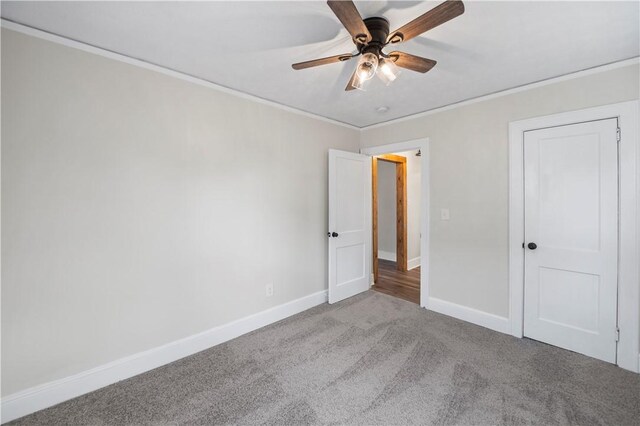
point(423, 145)
point(387, 255)
point(48, 394)
point(628, 268)
point(413, 263)
point(162, 70)
point(474, 316)
point(186, 77)
point(525, 87)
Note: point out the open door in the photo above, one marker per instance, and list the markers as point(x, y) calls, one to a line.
point(349, 224)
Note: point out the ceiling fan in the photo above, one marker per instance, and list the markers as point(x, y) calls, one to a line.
point(371, 35)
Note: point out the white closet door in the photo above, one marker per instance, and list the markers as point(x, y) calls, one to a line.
point(571, 237)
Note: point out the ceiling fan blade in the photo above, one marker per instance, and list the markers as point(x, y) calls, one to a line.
point(436, 16)
point(412, 62)
point(322, 61)
point(350, 17)
point(351, 80)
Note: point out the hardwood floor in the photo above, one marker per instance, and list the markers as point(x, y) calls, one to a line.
point(405, 285)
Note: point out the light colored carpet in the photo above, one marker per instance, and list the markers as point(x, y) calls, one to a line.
point(371, 360)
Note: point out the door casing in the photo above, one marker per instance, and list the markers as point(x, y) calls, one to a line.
point(628, 235)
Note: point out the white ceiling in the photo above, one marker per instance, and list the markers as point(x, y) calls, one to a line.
point(250, 46)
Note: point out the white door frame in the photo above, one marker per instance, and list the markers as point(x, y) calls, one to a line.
point(423, 146)
point(628, 356)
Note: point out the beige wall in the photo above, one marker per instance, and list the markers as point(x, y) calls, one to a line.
point(138, 209)
point(469, 175)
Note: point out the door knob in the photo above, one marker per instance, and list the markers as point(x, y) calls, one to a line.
point(532, 246)
point(334, 234)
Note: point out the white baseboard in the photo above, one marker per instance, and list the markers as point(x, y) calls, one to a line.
point(386, 255)
point(474, 316)
point(42, 396)
point(413, 263)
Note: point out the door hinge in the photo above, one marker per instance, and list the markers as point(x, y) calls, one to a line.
point(617, 334)
point(618, 134)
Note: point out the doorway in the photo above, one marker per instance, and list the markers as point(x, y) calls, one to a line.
point(389, 210)
point(396, 224)
point(421, 182)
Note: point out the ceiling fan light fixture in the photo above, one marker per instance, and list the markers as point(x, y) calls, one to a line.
point(388, 71)
point(358, 83)
point(367, 66)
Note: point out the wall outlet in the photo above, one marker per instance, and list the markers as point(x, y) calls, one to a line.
point(444, 214)
point(269, 289)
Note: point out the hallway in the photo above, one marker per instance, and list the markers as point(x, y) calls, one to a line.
point(405, 285)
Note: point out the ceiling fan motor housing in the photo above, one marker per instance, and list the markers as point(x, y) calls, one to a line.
point(379, 29)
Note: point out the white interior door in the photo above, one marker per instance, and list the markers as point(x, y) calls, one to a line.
point(571, 237)
point(349, 224)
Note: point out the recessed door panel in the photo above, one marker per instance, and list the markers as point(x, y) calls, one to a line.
point(349, 197)
point(350, 263)
point(569, 181)
point(557, 287)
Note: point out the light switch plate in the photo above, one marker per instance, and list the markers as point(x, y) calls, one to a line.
point(444, 214)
